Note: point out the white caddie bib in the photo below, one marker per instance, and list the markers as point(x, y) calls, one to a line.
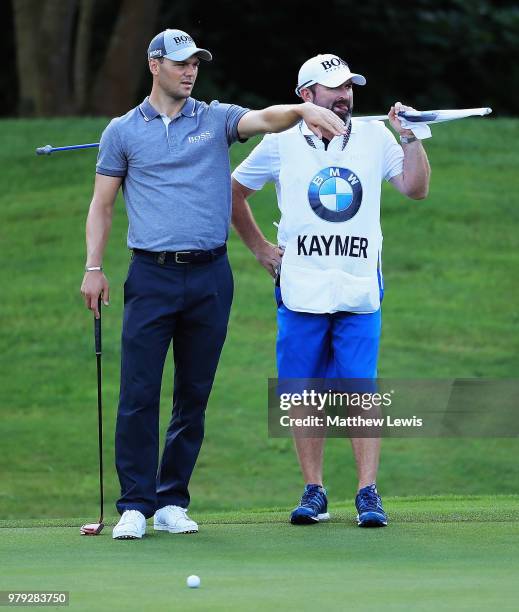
point(330, 221)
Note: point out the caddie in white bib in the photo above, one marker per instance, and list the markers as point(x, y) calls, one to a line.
point(330, 220)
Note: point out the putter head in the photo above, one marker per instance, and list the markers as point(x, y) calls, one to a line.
point(91, 529)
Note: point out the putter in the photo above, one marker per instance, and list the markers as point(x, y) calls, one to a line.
point(93, 529)
point(432, 116)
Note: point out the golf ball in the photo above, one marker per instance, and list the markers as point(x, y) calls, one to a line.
point(193, 582)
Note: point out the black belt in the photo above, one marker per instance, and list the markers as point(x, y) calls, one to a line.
point(183, 257)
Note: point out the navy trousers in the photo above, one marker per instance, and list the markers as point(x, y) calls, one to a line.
point(189, 305)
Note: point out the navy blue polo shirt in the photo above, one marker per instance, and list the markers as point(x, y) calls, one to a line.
point(177, 183)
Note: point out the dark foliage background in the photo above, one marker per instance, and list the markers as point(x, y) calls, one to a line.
point(427, 53)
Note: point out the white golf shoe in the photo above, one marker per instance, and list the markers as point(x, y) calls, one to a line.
point(131, 526)
point(175, 520)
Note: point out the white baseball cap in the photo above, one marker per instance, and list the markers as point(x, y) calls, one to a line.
point(175, 45)
point(326, 69)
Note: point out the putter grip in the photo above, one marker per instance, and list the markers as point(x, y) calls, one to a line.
point(97, 329)
point(46, 150)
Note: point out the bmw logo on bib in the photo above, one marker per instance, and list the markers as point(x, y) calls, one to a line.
point(335, 194)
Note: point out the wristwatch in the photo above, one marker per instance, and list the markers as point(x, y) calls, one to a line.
point(407, 139)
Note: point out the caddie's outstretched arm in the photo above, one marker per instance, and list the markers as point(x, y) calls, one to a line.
point(268, 254)
point(98, 225)
point(283, 116)
point(416, 173)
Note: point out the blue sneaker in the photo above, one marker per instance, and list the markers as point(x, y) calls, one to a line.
point(369, 508)
point(312, 508)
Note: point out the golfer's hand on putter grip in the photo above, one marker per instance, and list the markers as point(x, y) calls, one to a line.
point(95, 284)
point(318, 119)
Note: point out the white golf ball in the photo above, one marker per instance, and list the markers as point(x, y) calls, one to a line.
point(193, 582)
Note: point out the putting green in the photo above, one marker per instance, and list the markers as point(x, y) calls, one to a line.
point(438, 553)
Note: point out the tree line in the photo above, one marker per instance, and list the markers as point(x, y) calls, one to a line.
point(76, 57)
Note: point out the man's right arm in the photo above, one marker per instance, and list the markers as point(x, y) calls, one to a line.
point(268, 254)
point(98, 225)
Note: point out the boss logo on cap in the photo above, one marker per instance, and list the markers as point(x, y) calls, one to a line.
point(156, 53)
point(335, 62)
point(182, 39)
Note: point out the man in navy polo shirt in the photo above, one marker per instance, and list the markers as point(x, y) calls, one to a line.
point(170, 155)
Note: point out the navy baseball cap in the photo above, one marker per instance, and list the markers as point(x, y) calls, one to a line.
point(175, 45)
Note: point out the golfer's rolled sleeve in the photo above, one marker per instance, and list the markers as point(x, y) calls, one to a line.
point(111, 160)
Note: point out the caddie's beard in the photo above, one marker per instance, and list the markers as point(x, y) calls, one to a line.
point(343, 109)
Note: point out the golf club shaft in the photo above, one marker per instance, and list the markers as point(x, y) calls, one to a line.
point(48, 149)
point(425, 115)
point(97, 336)
point(434, 116)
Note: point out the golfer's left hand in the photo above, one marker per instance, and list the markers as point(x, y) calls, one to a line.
point(395, 121)
point(318, 119)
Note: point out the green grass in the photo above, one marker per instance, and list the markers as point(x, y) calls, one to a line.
point(448, 553)
point(450, 310)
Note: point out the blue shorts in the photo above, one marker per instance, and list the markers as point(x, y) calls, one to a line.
point(337, 345)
